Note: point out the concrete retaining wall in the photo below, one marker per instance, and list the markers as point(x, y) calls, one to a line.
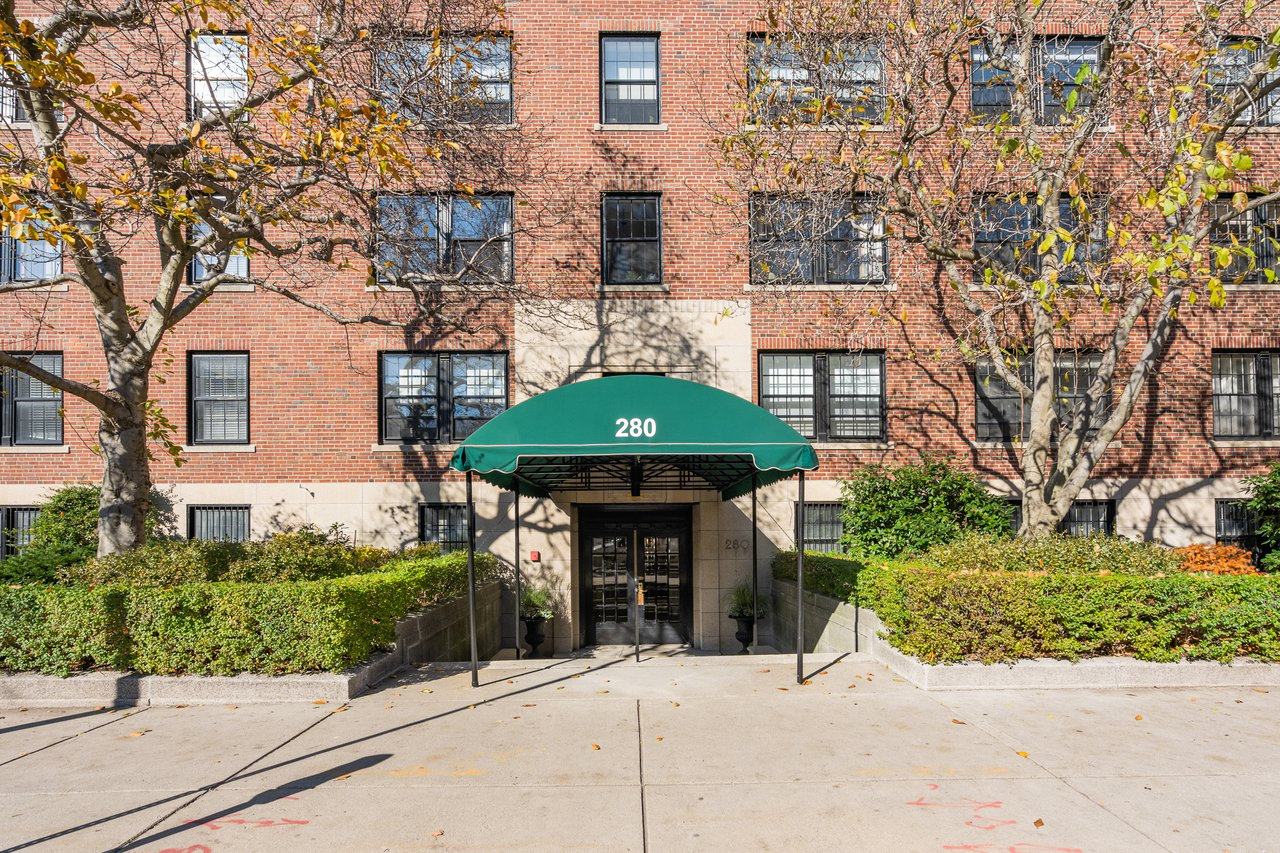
point(437, 634)
point(836, 626)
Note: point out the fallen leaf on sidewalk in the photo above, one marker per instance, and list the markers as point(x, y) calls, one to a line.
point(321, 702)
point(139, 733)
point(426, 690)
point(232, 707)
point(805, 682)
point(1256, 690)
point(529, 705)
point(1139, 717)
point(1038, 823)
point(437, 833)
point(959, 722)
point(851, 686)
point(1024, 755)
point(764, 670)
point(783, 688)
point(595, 746)
point(658, 739)
point(602, 691)
point(339, 710)
point(676, 704)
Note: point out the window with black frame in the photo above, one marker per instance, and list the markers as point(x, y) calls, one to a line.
point(632, 239)
point(1245, 402)
point(804, 241)
point(1089, 518)
point(826, 396)
point(1226, 73)
point(799, 77)
point(823, 526)
point(1253, 232)
point(218, 523)
point(30, 410)
point(1006, 234)
point(15, 528)
point(218, 398)
point(629, 91)
point(1004, 412)
point(217, 72)
point(1235, 525)
point(429, 237)
point(1060, 71)
point(1084, 518)
point(445, 524)
point(439, 397)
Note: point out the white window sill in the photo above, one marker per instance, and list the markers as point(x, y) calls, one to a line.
point(35, 448)
point(843, 127)
point(220, 448)
point(651, 128)
point(424, 447)
point(662, 287)
point(49, 288)
point(1020, 445)
point(225, 288)
point(852, 444)
point(1260, 287)
point(1245, 442)
point(852, 287)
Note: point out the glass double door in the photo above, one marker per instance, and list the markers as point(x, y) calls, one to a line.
point(636, 570)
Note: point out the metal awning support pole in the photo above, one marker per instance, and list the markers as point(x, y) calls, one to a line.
point(517, 565)
point(639, 593)
point(800, 585)
point(755, 560)
point(471, 583)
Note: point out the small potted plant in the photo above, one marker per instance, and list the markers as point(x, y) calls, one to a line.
point(535, 609)
point(743, 608)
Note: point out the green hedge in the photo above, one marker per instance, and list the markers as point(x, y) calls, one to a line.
point(222, 628)
point(944, 615)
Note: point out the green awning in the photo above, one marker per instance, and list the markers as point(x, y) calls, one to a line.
point(638, 432)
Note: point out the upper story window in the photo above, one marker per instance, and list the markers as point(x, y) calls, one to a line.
point(816, 80)
point(28, 260)
point(805, 241)
point(30, 410)
point(826, 396)
point(218, 398)
point(434, 396)
point(11, 109)
point(445, 236)
point(629, 79)
point(231, 263)
point(1256, 230)
point(461, 78)
point(1004, 413)
point(632, 251)
point(1060, 67)
point(1006, 237)
point(1245, 402)
point(1226, 73)
point(217, 72)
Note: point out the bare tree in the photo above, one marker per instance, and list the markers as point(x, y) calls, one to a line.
point(153, 152)
point(1076, 194)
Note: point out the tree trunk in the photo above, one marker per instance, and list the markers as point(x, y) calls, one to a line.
point(126, 472)
point(1038, 515)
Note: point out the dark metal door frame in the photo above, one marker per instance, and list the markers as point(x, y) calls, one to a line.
point(634, 522)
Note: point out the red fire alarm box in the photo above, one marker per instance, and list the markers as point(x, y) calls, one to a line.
point(535, 556)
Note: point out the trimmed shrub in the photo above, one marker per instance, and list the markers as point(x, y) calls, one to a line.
point(828, 574)
point(890, 512)
point(1264, 506)
point(60, 630)
point(1054, 554)
point(1216, 560)
point(222, 628)
point(65, 534)
point(941, 616)
point(303, 554)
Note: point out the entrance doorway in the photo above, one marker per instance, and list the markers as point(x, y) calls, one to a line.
point(636, 563)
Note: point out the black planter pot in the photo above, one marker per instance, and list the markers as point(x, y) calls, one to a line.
point(746, 632)
point(533, 633)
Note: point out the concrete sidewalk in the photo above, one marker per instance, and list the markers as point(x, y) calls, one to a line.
point(672, 754)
